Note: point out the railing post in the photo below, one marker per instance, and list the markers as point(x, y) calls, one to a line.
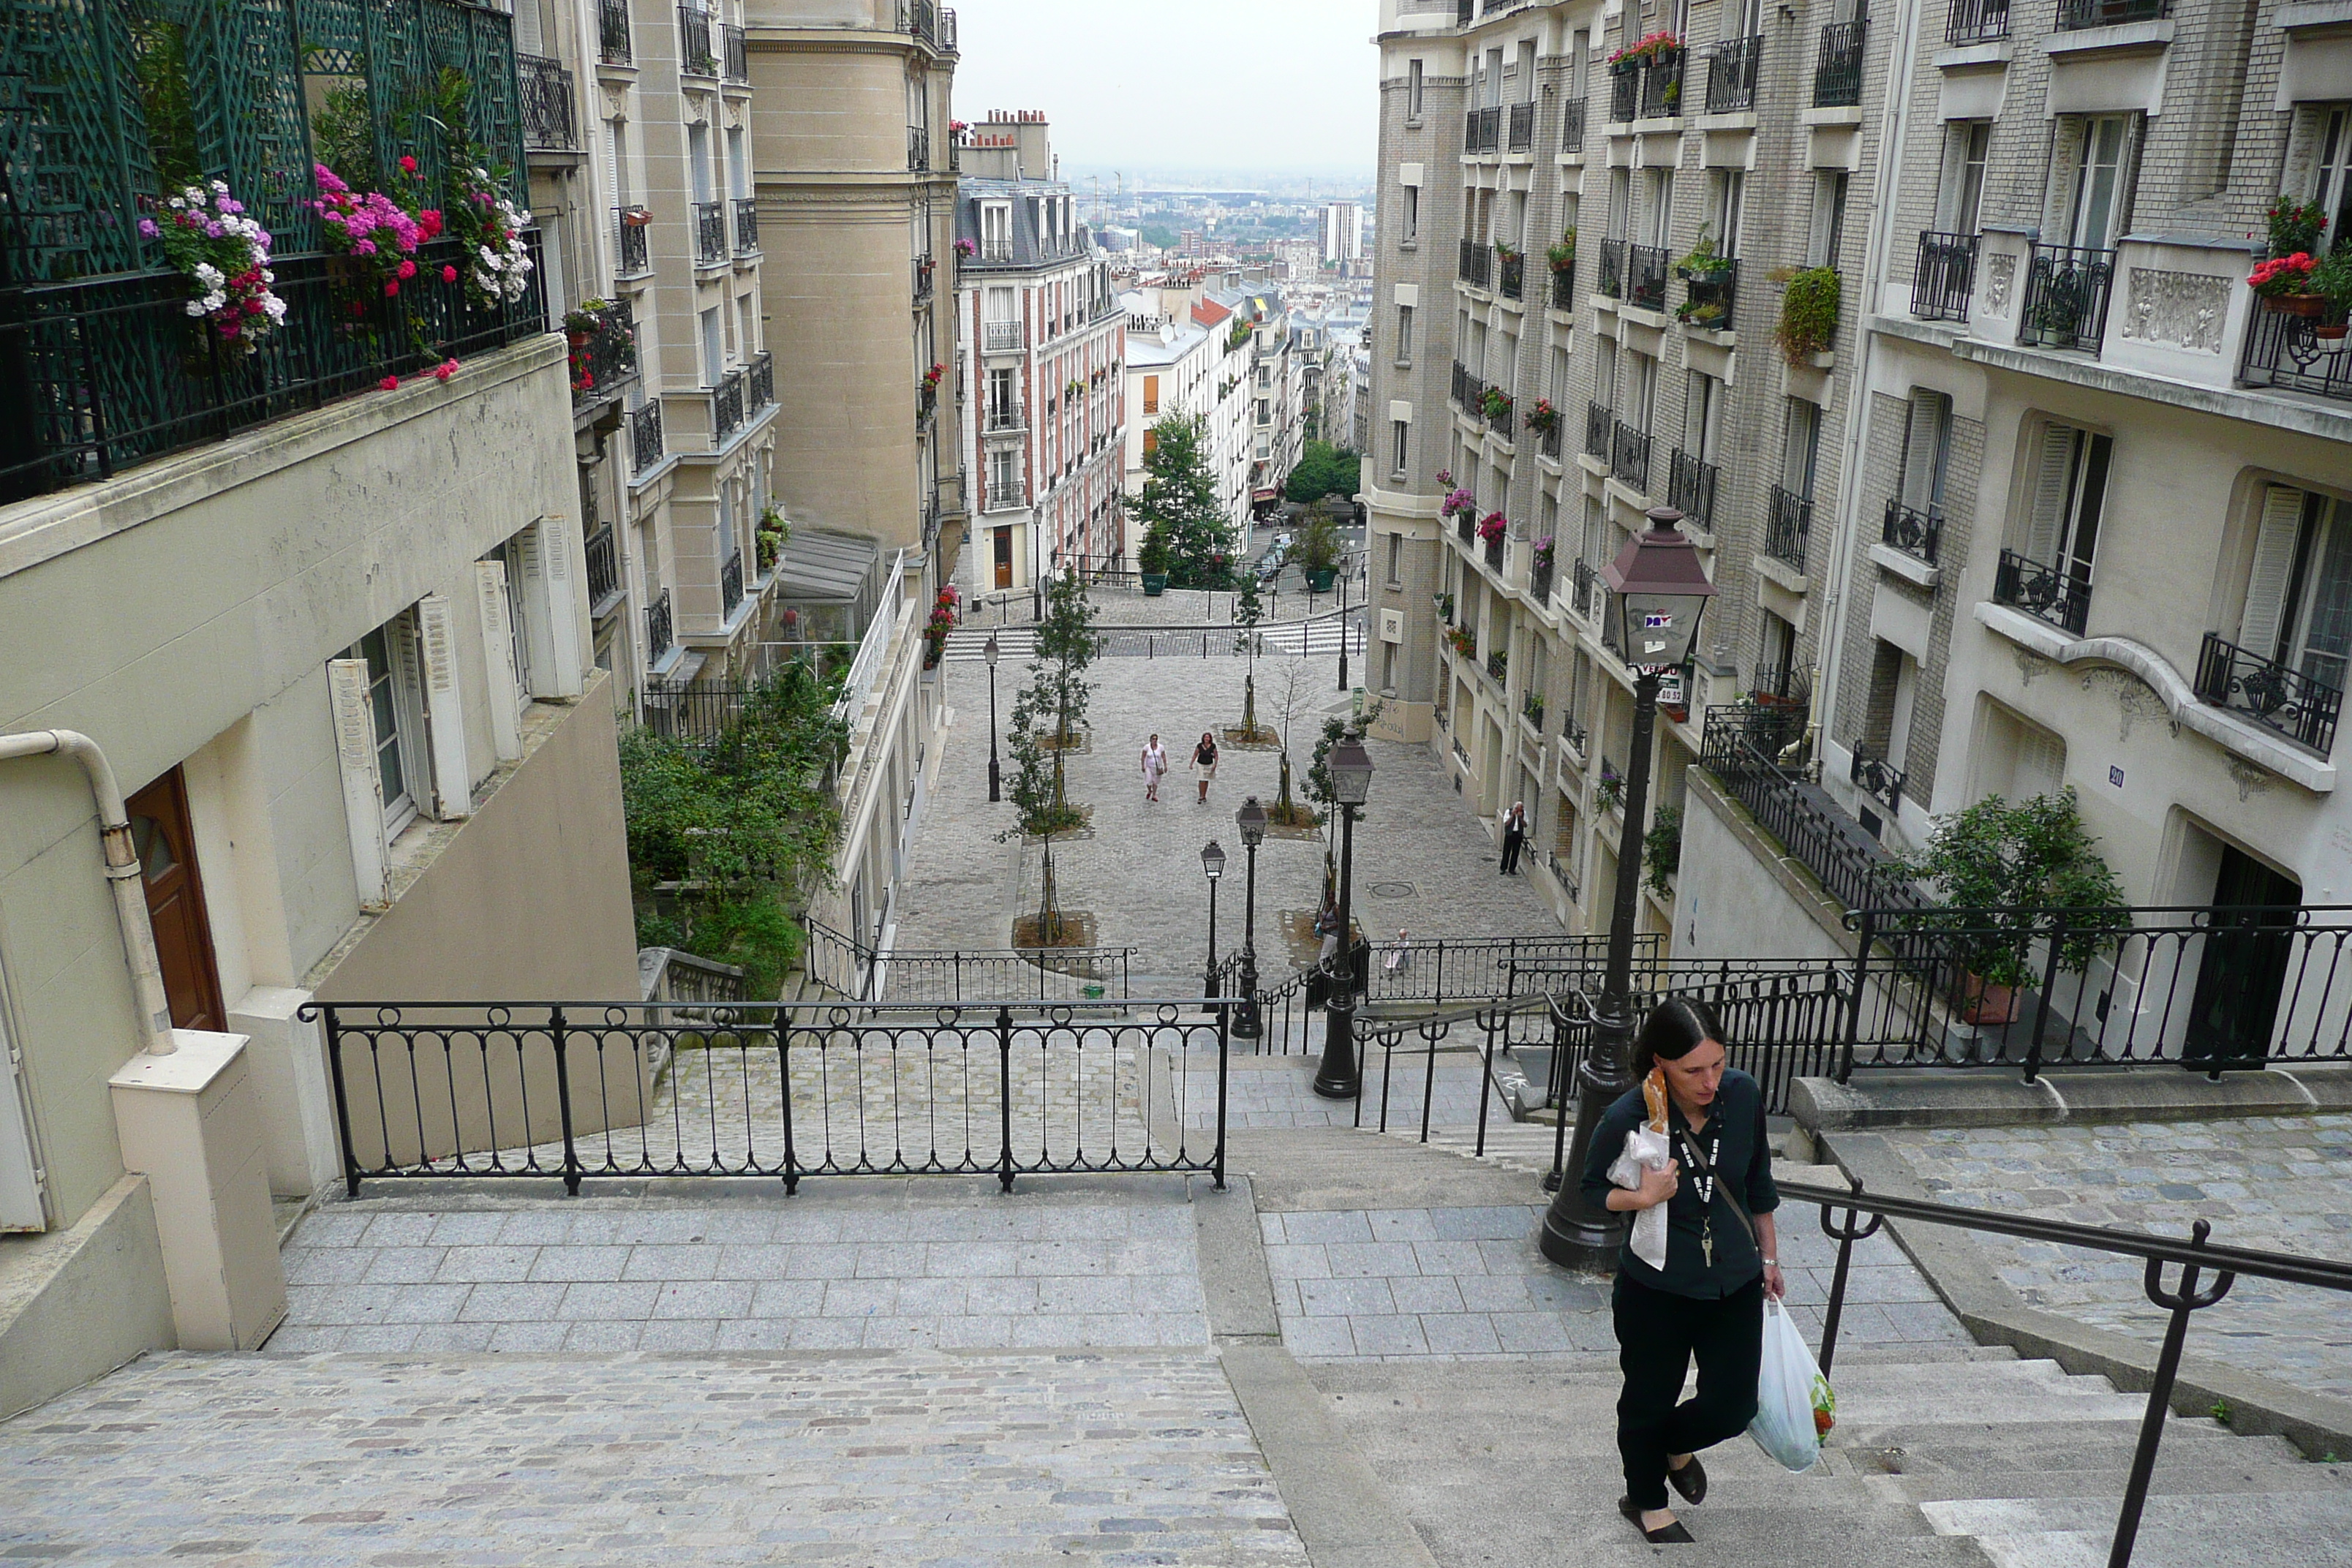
point(1846, 1235)
point(1224, 1046)
point(2041, 1011)
point(1004, 1094)
point(1486, 1074)
point(2188, 1299)
point(784, 1092)
point(1867, 933)
point(564, 1100)
point(343, 1102)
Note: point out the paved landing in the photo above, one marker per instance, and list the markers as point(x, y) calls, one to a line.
point(1280, 1092)
point(906, 1457)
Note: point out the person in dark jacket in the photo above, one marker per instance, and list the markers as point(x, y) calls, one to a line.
point(1515, 836)
point(1722, 1259)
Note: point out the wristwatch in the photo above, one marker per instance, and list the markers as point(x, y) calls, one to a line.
point(1771, 1263)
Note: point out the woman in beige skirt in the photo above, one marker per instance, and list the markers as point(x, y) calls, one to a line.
point(1204, 763)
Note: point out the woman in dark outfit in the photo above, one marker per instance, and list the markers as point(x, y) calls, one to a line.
point(1708, 1300)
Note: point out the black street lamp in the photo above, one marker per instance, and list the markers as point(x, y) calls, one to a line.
point(1338, 1078)
point(1251, 818)
point(990, 652)
point(1661, 593)
point(1343, 620)
point(1213, 861)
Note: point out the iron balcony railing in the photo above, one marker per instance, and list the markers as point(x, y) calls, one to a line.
point(645, 422)
point(1780, 685)
point(1494, 565)
point(710, 232)
point(1511, 273)
point(1475, 266)
point(1788, 519)
point(1739, 746)
point(1629, 456)
point(1710, 293)
point(1500, 417)
point(1731, 75)
point(1690, 489)
point(2284, 350)
point(547, 114)
point(1912, 531)
point(1550, 442)
point(731, 584)
point(1837, 72)
point(1469, 391)
point(762, 390)
point(1598, 424)
point(735, 53)
point(1007, 415)
point(919, 147)
point(1608, 279)
point(1646, 276)
point(1004, 494)
point(2074, 15)
point(1582, 578)
point(1944, 276)
point(1571, 124)
point(747, 226)
point(726, 407)
point(2274, 695)
point(1662, 86)
point(695, 53)
point(1625, 90)
point(1485, 130)
point(604, 567)
point(603, 359)
point(1563, 286)
point(1976, 21)
point(632, 246)
point(925, 271)
point(1003, 337)
point(658, 632)
point(1876, 777)
point(1521, 135)
point(615, 46)
point(2066, 289)
point(1539, 570)
point(2057, 595)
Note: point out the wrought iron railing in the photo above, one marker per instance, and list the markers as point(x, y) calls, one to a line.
point(2059, 594)
point(2066, 289)
point(1876, 777)
point(1563, 286)
point(614, 43)
point(1976, 21)
point(1549, 443)
point(658, 632)
point(1571, 124)
point(1494, 565)
point(1710, 293)
point(1511, 272)
point(1599, 423)
point(1003, 337)
point(695, 53)
point(2277, 696)
point(762, 389)
point(967, 975)
point(1007, 415)
point(1912, 530)
point(633, 249)
point(726, 407)
point(735, 53)
point(919, 147)
point(1788, 519)
point(1662, 86)
point(1944, 276)
point(1739, 746)
point(1498, 409)
point(924, 271)
point(1690, 489)
point(603, 359)
point(1629, 456)
point(710, 233)
point(1465, 389)
point(1625, 90)
point(747, 226)
point(1475, 264)
point(604, 566)
point(1731, 75)
point(546, 113)
point(644, 422)
point(1609, 276)
point(1582, 578)
point(2286, 352)
point(1646, 276)
point(1837, 72)
point(2073, 15)
point(730, 584)
point(1780, 685)
point(1484, 132)
point(1521, 135)
point(1539, 569)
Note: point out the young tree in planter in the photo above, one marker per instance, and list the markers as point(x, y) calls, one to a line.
point(1180, 504)
point(1066, 643)
point(1294, 688)
point(1249, 610)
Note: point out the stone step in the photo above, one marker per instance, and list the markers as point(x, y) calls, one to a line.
point(2305, 1528)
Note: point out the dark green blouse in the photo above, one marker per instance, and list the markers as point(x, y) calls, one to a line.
point(1736, 1146)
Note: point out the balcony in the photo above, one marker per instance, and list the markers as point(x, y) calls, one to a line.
point(1625, 90)
point(1787, 519)
point(1499, 417)
point(547, 115)
point(710, 232)
point(1876, 777)
point(1976, 21)
point(1741, 747)
point(1913, 531)
point(1731, 75)
point(1598, 424)
point(1581, 582)
point(1837, 72)
point(1004, 493)
point(763, 388)
point(1468, 392)
point(1709, 293)
point(731, 584)
point(2283, 352)
point(1563, 286)
point(1629, 456)
point(1945, 274)
point(695, 55)
point(1004, 337)
point(1572, 125)
point(1549, 444)
point(1474, 266)
point(2051, 594)
point(1483, 131)
point(644, 422)
point(1005, 417)
point(658, 632)
point(614, 44)
point(1520, 137)
point(927, 403)
point(1511, 271)
point(603, 351)
point(1608, 280)
point(726, 407)
point(1646, 276)
point(604, 567)
point(919, 147)
point(1690, 489)
point(1539, 570)
point(2076, 15)
point(922, 289)
point(1780, 685)
point(1662, 86)
point(2066, 289)
point(2297, 706)
point(735, 55)
point(633, 250)
point(1465, 12)
point(1494, 565)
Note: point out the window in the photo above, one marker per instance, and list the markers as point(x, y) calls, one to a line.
point(396, 721)
point(1828, 217)
point(1412, 214)
point(1801, 448)
point(1659, 195)
point(1399, 431)
point(2299, 595)
point(1961, 195)
point(1396, 557)
point(739, 164)
point(2332, 187)
point(996, 231)
point(1004, 475)
point(1412, 89)
point(1404, 334)
point(714, 353)
point(1724, 210)
point(1004, 399)
point(1621, 198)
point(698, 160)
point(1702, 409)
point(1924, 440)
point(511, 555)
point(2070, 489)
point(2102, 193)
point(1640, 396)
point(1151, 394)
point(747, 327)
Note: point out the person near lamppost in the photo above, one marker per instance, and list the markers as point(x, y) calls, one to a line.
point(1251, 819)
point(990, 652)
point(1337, 1077)
point(1660, 589)
point(1213, 865)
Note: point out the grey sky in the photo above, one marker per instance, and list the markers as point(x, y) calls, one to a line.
point(1199, 87)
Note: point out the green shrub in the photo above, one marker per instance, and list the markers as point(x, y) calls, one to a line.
point(1809, 314)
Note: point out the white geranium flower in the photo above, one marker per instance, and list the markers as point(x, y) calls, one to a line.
point(196, 307)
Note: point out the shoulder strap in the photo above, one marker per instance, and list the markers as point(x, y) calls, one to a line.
point(1706, 1168)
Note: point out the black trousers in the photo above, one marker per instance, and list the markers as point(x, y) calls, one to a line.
point(1657, 1334)
point(1511, 847)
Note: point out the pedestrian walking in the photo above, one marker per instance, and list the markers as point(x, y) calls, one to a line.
point(1701, 1293)
point(1204, 763)
point(1515, 836)
point(1155, 766)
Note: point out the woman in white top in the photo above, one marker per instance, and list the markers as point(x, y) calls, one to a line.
point(1155, 763)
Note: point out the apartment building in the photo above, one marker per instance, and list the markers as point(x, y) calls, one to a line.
point(1273, 386)
point(313, 576)
point(1187, 355)
point(1343, 233)
point(1585, 215)
point(1044, 346)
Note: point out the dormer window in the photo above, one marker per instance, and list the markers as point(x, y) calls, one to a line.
point(996, 231)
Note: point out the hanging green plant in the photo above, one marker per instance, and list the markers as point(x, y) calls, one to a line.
point(1809, 314)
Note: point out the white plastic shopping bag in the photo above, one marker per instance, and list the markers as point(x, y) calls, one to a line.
point(1645, 1149)
point(1794, 1406)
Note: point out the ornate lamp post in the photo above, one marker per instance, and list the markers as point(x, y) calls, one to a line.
point(1661, 592)
point(1344, 569)
point(1338, 1078)
point(1213, 861)
point(1251, 818)
point(990, 652)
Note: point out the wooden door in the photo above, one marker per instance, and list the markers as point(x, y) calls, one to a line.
point(2247, 952)
point(166, 842)
point(1004, 558)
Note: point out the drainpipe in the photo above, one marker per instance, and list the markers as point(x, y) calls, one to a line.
point(121, 870)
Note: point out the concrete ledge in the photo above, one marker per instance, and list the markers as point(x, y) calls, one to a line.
point(75, 1304)
point(1962, 1275)
point(1999, 1096)
point(1922, 1097)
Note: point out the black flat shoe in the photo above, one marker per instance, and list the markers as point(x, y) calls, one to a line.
point(1690, 1480)
point(1664, 1535)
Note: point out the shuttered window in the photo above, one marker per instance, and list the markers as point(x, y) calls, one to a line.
point(1924, 450)
point(2299, 593)
point(2070, 487)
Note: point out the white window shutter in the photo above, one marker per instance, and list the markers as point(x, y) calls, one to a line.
point(347, 693)
point(564, 666)
point(2041, 763)
point(1923, 451)
point(498, 648)
point(2046, 517)
point(1954, 172)
point(2274, 542)
point(2065, 172)
point(445, 709)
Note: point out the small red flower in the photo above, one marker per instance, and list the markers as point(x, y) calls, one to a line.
point(408, 165)
point(390, 384)
point(390, 287)
point(408, 270)
point(448, 275)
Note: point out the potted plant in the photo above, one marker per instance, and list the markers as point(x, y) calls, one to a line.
point(1445, 608)
point(1462, 640)
point(1318, 554)
point(2332, 281)
point(1492, 527)
point(2283, 282)
point(1809, 314)
point(1663, 45)
point(1495, 403)
point(1543, 418)
point(1609, 795)
point(2008, 872)
point(2295, 226)
point(768, 542)
point(1662, 850)
point(1704, 271)
point(1153, 561)
point(1562, 256)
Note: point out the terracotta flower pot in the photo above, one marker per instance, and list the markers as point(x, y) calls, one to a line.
point(1981, 1003)
point(2334, 334)
point(2295, 304)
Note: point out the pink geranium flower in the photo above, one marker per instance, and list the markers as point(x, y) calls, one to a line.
point(389, 383)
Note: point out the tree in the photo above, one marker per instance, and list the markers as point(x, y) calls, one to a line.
point(1178, 505)
point(1325, 470)
point(1248, 611)
point(1066, 643)
point(1294, 688)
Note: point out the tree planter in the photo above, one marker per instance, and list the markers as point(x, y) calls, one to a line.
point(1320, 578)
point(1154, 583)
